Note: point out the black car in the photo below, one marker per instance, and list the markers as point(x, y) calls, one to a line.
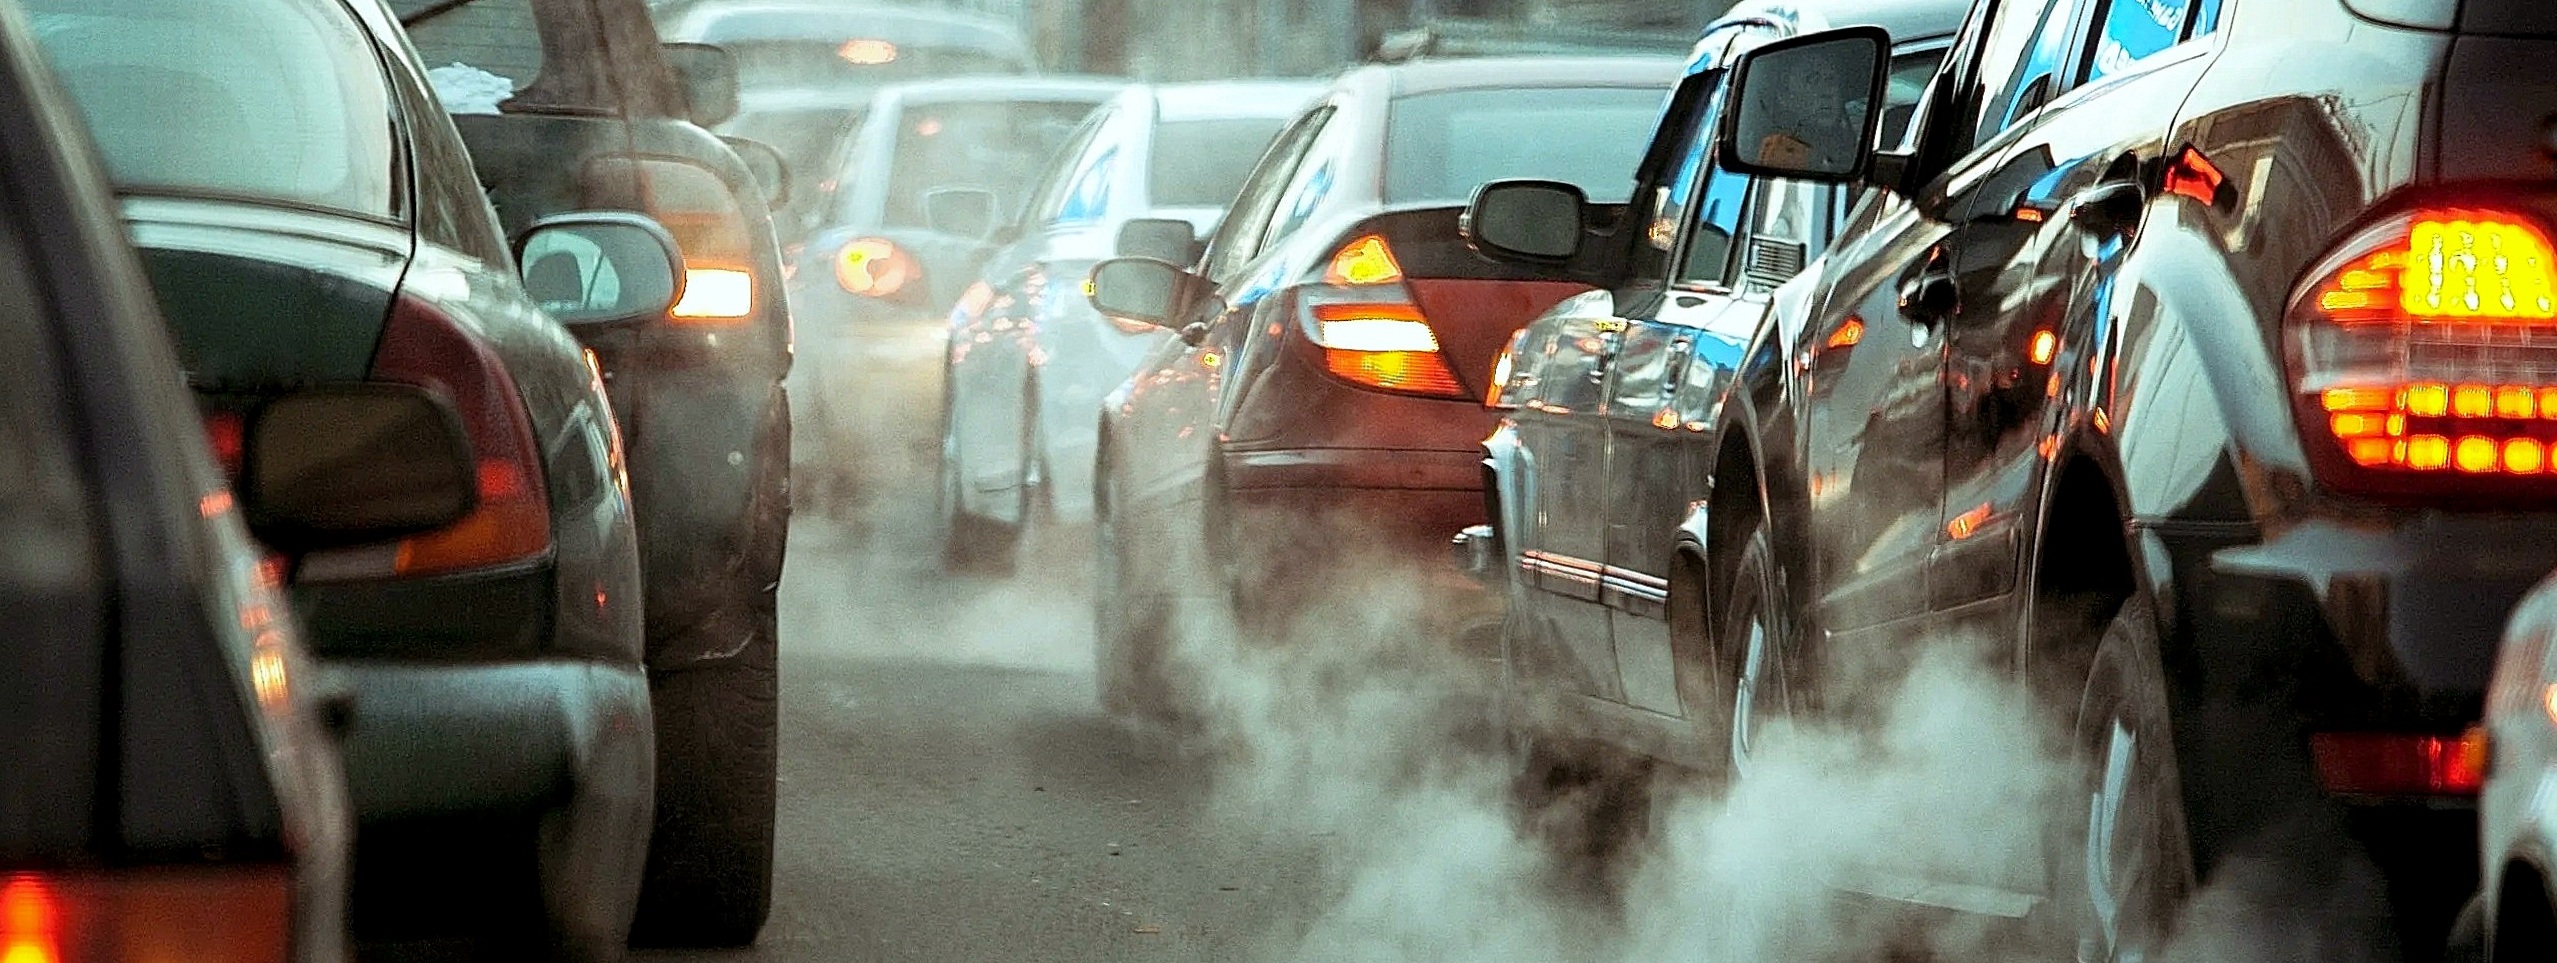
point(2189, 353)
point(296, 235)
point(608, 121)
point(170, 779)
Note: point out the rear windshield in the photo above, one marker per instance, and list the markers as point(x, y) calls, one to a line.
point(1001, 146)
point(805, 138)
point(1441, 146)
point(826, 65)
point(272, 99)
point(1202, 163)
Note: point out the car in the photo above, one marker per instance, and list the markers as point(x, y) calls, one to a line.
point(2154, 367)
point(2514, 914)
point(1153, 170)
point(909, 204)
point(1325, 385)
point(807, 68)
point(1605, 440)
point(172, 764)
point(503, 786)
point(613, 120)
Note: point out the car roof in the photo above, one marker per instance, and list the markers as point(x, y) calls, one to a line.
point(1210, 100)
point(1475, 73)
point(836, 21)
point(1907, 20)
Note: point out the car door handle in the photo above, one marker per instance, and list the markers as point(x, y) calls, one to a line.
point(1930, 296)
point(2109, 209)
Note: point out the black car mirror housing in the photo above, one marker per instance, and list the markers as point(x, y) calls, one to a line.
point(1807, 108)
point(1146, 290)
point(601, 267)
point(1167, 239)
point(355, 464)
point(1526, 221)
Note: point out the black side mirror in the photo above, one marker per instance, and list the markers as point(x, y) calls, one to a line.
point(1538, 222)
point(354, 464)
point(1148, 291)
point(961, 211)
point(601, 267)
point(709, 76)
point(1807, 107)
point(1167, 239)
point(770, 171)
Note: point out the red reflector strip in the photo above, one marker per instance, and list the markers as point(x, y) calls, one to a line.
point(2401, 764)
point(228, 914)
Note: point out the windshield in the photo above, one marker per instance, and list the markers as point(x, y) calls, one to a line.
point(999, 146)
point(1437, 149)
point(1202, 163)
point(272, 99)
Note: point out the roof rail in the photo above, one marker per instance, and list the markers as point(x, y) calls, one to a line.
point(1464, 37)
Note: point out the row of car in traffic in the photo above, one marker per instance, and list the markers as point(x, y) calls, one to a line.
point(2194, 354)
point(368, 586)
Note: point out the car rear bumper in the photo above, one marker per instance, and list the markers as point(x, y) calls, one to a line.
point(1326, 523)
point(448, 740)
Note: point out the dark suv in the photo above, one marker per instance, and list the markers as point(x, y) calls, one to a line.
point(602, 117)
point(2193, 353)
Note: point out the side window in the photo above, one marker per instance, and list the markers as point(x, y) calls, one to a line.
point(2135, 30)
point(1238, 239)
point(1089, 198)
point(1305, 191)
point(2206, 20)
point(1711, 229)
point(1048, 201)
point(452, 209)
point(1682, 141)
point(2019, 62)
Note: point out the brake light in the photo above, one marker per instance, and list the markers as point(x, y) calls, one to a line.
point(715, 293)
point(422, 347)
point(874, 267)
point(2423, 347)
point(720, 287)
point(2399, 764)
point(1362, 262)
point(1371, 331)
point(224, 915)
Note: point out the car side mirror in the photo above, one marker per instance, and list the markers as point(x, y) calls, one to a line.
point(968, 212)
point(708, 74)
point(770, 171)
point(1538, 222)
point(1148, 291)
point(1167, 239)
point(1807, 107)
point(354, 464)
point(593, 268)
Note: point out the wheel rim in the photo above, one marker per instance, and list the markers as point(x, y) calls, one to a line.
point(2128, 890)
point(1760, 697)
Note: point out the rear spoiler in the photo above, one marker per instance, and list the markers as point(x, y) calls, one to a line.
point(1462, 37)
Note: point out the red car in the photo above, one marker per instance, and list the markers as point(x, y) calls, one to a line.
point(1322, 409)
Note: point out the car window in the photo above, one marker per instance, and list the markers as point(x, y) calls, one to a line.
point(1049, 197)
point(2040, 75)
point(1237, 240)
point(2131, 31)
point(1436, 150)
point(2006, 56)
point(995, 145)
point(1907, 83)
point(1713, 217)
point(479, 39)
point(1675, 143)
point(1310, 186)
point(271, 99)
point(1202, 163)
point(1087, 195)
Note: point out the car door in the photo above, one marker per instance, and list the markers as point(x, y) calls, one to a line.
point(2093, 148)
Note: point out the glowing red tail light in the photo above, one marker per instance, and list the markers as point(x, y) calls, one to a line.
point(217, 915)
point(1371, 331)
point(875, 268)
point(2426, 347)
point(2400, 764)
point(422, 347)
point(227, 432)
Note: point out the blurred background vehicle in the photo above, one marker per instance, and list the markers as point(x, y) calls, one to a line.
point(1028, 357)
point(806, 69)
point(171, 774)
point(503, 786)
point(608, 122)
point(1323, 408)
point(910, 202)
point(2514, 915)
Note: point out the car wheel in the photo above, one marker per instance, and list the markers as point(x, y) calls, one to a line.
point(1128, 630)
point(1756, 628)
point(973, 543)
point(2134, 863)
point(709, 879)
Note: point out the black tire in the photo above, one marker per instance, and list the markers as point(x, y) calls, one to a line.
point(2131, 794)
point(1754, 630)
point(709, 878)
point(1128, 633)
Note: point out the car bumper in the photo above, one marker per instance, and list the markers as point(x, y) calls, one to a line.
point(436, 740)
point(1329, 521)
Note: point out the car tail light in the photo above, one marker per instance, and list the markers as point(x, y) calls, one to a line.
point(710, 230)
point(1371, 332)
point(2400, 764)
point(225, 915)
point(227, 433)
point(876, 268)
point(2424, 354)
point(422, 347)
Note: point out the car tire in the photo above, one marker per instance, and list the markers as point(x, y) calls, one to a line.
point(1128, 631)
point(710, 861)
point(973, 544)
point(2122, 908)
point(1755, 630)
